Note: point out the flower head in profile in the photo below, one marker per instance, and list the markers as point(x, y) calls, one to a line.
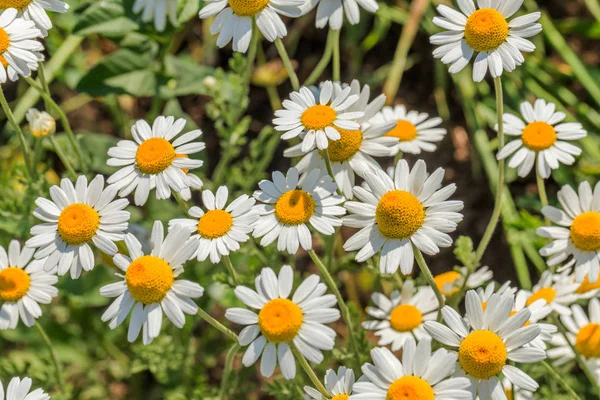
point(542, 139)
point(338, 384)
point(423, 374)
point(220, 229)
point(288, 207)
point(76, 218)
point(149, 285)
point(19, 389)
point(35, 10)
point(156, 158)
point(19, 49)
point(411, 208)
point(24, 285)
point(556, 290)
point(280, 321)
point(486, 31)
point(317, 116)
point(234, 19)
point(450, 282)
point(332, 11)
point(158, 11)
point(40, 123)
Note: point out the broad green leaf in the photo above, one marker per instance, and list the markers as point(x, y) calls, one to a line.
point(104, 17)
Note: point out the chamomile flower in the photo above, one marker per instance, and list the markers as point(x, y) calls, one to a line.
point(402, 316)
point(338, 385)
point(413, 131)
point(423, 374)
point(539, 311)
point(288, 207)
point(317, 116)
point(77, 217)
point(451, 282)
point(18, 389)
point(558, 292)
point(35, 10)
point(234, 19)
point(281, 321)
point(488, 32)
point(220, 229)
point(19, 49)
point(490, 289)
point(149, 286)
point(491, 339)
point(353, 153)
point(158, 11)
point(332, 11)
point(24, 285)
point(542, 139)
point(154, 160)
point(399, 212)
point(40, 123)
point(578, 233)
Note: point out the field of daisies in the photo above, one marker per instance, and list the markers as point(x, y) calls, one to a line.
point(299, 200)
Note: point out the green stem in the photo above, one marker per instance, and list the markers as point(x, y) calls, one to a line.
point(227, 370)
point(327, 160)
point(491, 227)
point(217, 325)
point(309, 371)
point(323, 62)
point(20, 135)
point(57, 367)
point(42, 78)
point(62, 156)
point(560, 380)
point(285, 58)
point(429, 278)
point(541, 185)
point(252, 50)
point(231, 270)
point(335, 44)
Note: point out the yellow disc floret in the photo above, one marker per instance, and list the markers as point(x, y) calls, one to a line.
point(149, 278)
point(486, 29)
point(4, 40)
point(341, 397)
point(14, 283)
point(214, 224)
point(410, 387)
point(587, 286)
point(482, 354)
point(318, 117)
point(294, 207)
point(18, 4)
point(538, 136)
point(585, 231)
point(248, 8)
point(587, 341)
point(446, 282)
point(280, 320)
point(347, 146)
point(154, 155)
point(78, 223)
point(404, 130)
point(399, 214)
point(546, 293)
point(405, 317)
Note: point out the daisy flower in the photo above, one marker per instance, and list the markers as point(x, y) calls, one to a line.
point(401, 316)
point(451, 282)
point(413, 131)
point(281, 322)
point(35, 10)
point(24, 285)
point(542, 139)
point(558, 292)
point(488, 32)
point(395, 213)
point(289, 206)
point(317, 116)
point(20, 390)
point(539, 311)
point(75, 218)
point(40, 123)
point(332, 11)
point(220, 229)
point(423, 374)
point(491, 339)
point(19, 51)
point(158, 11)
point(234, 19)
point(338, 385)
point(149, 284)
point(154, 160)
point(578, 233)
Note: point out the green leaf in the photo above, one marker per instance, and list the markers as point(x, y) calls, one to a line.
point(189, 10)
point(104, 17)
point(187, 77)
point(464, 251)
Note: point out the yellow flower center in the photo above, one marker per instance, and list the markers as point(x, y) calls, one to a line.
point(538, 136)
point(247, 8)
point(18, 4)
point(447, 278)
point(14, 283)
point(78, 223)
point(294, 207)
point(399, 214)
point(318, 117)
point(280, 320)
point(346, 147)
point(4, 39)
point(341, 397)
point(587, 341)
point(410, 387)
point(214, 224)
point(585, 231)
point(405, 318)
point(482, 354)
point(148, 279)
point(586, 286)
point(154, 155)
point(546, 293)
point(486, 29)
point(404, 130)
